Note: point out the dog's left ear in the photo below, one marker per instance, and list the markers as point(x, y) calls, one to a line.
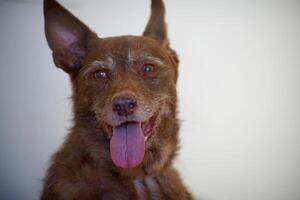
point(156, 27)
point(67, 36)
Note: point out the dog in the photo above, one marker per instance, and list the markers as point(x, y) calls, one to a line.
point(125, 132)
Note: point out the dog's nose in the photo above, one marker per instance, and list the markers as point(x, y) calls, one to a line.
point(124, 105)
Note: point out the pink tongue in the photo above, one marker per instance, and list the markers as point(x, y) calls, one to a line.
point(127, 145)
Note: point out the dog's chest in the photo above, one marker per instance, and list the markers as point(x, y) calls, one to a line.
point(148, 188)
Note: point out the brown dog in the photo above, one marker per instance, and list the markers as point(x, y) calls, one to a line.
point(125, 131)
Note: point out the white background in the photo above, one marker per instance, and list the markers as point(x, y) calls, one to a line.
point(239, 92)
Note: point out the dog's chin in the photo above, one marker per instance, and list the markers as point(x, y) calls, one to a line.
point(129, 141)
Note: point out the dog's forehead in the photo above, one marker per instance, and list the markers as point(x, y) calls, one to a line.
point(126, 48)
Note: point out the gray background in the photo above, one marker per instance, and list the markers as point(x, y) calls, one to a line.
point(239, 91)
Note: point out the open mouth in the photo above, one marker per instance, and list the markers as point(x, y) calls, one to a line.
point(127, 143)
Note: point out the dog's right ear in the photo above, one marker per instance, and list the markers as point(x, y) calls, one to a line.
point(67, 36)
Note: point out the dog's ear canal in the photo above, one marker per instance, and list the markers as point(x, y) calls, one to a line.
point(67, 36)
point(156, 27)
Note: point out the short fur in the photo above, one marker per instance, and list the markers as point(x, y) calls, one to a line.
point(82, 168)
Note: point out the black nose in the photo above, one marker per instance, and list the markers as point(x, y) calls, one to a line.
point(124, 105)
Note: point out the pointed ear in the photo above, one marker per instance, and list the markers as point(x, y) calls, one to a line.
point(67, 36)
point(156, 27)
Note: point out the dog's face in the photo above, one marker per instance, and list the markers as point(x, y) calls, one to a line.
point(127, 84)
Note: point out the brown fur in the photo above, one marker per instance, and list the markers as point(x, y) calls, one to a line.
point(82, 168)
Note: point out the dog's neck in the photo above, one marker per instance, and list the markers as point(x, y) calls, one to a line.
point(149, 183)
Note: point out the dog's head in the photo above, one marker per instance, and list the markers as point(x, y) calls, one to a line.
point(126, 84)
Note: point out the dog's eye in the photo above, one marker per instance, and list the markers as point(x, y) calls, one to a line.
point(148, 68)
point(101, 74)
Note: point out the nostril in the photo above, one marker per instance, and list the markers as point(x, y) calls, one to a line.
point(118, 107)
point(132, 105)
